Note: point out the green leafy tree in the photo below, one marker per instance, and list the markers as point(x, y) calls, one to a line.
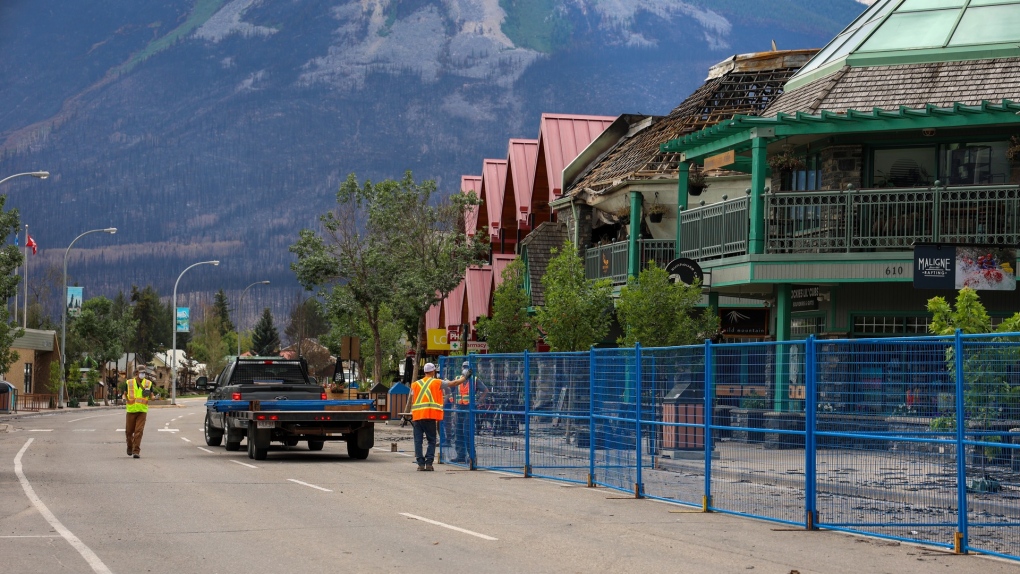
point(988, 393)
point(392, 243)
point(265, 340)
point(307, 321)
point(576, 314)
point(154, 324)
point(656, 312)
point(98, 332)
point(509, 330)
point(346, 320)
point(10, 259)
point(209, 344)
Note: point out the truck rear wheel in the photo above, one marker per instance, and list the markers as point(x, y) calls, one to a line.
point(356, 452)
point(315, 444)
point(213, 437)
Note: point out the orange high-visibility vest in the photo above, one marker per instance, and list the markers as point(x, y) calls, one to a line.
point(427, 394)
point(464, 393)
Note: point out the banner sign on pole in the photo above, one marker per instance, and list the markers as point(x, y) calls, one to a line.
point(183, 320)
point(74, 295)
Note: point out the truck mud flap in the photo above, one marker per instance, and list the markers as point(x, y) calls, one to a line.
point(366, 437)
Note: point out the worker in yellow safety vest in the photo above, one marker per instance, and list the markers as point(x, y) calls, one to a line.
point(427, 412)
point(139, 391)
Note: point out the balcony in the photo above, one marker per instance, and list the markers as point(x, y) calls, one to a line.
point(610, 261)
point(856, 221)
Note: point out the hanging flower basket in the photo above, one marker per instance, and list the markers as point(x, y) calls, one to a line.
point(696, 182)
point(785, 162)
point(655, 213)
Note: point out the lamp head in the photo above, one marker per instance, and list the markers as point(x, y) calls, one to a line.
point(41, 174)
point(110, 230)
point(215, 262)
point(264, 282)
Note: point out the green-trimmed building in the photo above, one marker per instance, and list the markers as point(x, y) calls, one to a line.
point(897, 133)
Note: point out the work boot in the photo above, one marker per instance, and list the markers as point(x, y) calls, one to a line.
point(421, 467)
point(136, 456)
point(429, 467)
point(129, 451)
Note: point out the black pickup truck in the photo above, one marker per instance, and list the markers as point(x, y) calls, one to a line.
point(266, 399)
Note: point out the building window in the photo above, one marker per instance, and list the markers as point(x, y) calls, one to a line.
point(892, 326)
point(28, 378)
point(904, 167)
point(801, 327)
point(980, 163)
point(809, 178)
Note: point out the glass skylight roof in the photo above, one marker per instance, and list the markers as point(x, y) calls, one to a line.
point(943, 30)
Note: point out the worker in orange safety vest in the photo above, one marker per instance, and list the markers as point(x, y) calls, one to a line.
point(427, 412)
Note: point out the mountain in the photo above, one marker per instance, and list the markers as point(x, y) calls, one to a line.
point(216, 129)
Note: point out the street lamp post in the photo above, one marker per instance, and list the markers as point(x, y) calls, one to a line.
point(173, 356)
point(63, 317)
point(239, 301)
point(39, 174)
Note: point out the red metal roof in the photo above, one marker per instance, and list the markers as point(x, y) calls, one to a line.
point(479, 289)
point(561, 138)
point(471, 183)
point(493, 185)
point(499, 264)
point(454, 306)
point(522, 158)
point(432, 316)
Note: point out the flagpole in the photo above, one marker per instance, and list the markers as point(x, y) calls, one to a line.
point(17, 238)
point(24, 323)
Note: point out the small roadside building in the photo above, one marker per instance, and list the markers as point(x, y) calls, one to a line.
point(30, 373)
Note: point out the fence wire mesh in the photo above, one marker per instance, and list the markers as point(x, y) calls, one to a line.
point(862, 435)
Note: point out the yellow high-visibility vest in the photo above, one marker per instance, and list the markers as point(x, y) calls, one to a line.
point(138, 395)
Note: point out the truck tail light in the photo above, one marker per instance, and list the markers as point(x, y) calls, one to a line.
point(323, 418)
point(235, 396)
point(322, 396)
point(267, 417)
point(384, 416)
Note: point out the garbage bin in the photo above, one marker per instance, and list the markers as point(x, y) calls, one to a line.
point(399, 393)
point(686, 405)
point(8, 398)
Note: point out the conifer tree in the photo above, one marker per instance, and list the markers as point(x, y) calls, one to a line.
point(265, 340)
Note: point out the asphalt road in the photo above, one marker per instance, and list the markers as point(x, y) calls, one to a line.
point(72, 501)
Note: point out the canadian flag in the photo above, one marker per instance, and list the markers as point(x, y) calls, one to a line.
point(31, 243)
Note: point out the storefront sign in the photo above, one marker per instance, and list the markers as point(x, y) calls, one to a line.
point(478, 347)
point(980, 267)
point(453, 337)
point(685, 271)
point(720, 161)
point(804, 298)
point(744, 322)
point(437, 340)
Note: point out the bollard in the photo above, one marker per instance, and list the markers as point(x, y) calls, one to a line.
point(393, 447)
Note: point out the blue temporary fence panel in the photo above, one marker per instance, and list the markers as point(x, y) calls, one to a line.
point(914, 439)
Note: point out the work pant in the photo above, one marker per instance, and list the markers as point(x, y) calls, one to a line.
point(463, 436)
point(425, 428)
point(134, 426)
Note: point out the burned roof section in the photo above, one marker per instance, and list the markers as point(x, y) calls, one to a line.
point(743, 84)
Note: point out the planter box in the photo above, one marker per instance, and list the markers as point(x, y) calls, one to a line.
point(751, 419)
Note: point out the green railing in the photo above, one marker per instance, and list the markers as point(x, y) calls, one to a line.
point(610, 261)
point(857, 221)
